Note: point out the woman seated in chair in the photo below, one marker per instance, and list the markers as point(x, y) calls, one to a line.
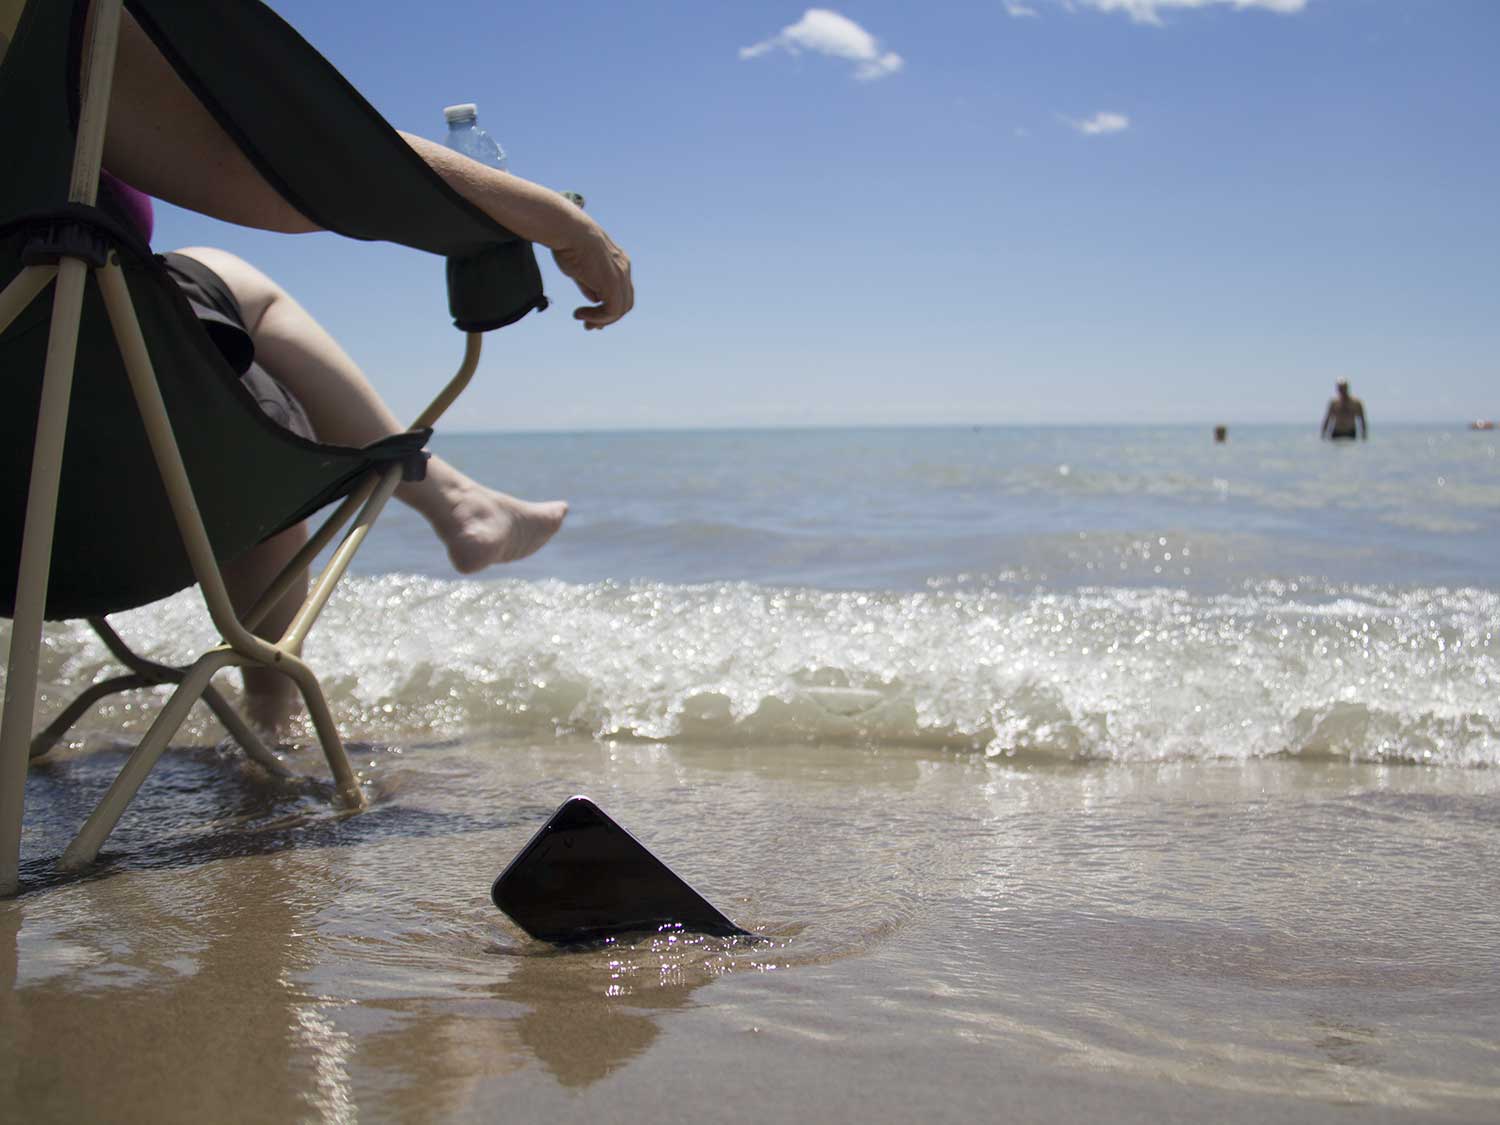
point(164, 143)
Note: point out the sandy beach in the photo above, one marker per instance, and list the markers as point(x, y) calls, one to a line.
point(947, 938)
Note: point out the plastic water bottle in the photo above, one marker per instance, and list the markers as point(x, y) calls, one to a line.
point(465, 136)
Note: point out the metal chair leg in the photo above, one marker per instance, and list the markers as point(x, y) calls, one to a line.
point(242, 732)
point(345, 782)
point(85, 846)
point(239, 730)
point(35, 565)
point(148, 673)
point(75, 710)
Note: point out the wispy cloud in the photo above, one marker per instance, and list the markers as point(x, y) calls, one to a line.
point(1150, 11)
point(1016, 10)
point(1101, 124)
point(828, 33)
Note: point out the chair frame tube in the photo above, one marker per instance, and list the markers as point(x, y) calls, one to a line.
point(85, 846)
point(148, 673)
point(241, 646)
point(35, 565)
point(46, 458)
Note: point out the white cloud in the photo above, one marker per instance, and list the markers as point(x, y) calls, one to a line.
point(829, 33)
point(1101, 124)
point(1018, 10)
point(1149, 11)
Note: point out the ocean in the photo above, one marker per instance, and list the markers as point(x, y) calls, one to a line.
point(1063, 771)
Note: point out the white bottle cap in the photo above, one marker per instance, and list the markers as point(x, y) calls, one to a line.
point(452, 113)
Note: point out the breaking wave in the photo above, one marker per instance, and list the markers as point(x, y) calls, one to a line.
point(1094, 674)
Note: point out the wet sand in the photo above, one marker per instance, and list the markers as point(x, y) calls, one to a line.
point(950, 938)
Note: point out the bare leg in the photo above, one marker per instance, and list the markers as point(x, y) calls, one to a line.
point(478, 525)
point(271, 699)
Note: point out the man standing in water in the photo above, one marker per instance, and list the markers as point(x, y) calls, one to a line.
point(1345, 414)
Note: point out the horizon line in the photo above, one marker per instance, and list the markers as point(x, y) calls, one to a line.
point(739, 427)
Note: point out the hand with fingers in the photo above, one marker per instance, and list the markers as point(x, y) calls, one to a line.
point(601, 271)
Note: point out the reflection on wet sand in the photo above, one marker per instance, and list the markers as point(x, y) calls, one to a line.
point(572, 1012)
point(1274, 940)
point(165, 991)
point(260, 970)
point(10, 1007)
point(429, 1058)
point(593, 992)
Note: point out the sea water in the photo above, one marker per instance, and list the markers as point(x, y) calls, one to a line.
point(1063, 771)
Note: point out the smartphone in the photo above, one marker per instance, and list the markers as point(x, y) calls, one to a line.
point(583, 877)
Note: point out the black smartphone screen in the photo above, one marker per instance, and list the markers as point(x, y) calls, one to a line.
point(583, 877)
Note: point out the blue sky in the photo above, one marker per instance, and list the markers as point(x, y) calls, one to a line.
point(990, 212)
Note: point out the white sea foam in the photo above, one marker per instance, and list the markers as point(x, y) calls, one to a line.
point(1116, 674)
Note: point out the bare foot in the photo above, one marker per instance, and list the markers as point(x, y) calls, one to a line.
point(484, 527)
point(479, 526)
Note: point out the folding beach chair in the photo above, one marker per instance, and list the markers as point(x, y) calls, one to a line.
point(132, 460)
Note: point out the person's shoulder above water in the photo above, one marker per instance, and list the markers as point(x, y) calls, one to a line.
point(1345, 416)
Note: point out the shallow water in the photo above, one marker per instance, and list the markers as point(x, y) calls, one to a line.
point(898, 508)
point(947, 934)
point(1066, 773)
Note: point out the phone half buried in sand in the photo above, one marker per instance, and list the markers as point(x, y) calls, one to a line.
point(582, 877)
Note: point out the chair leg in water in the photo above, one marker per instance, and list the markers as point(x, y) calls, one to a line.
point(85, 846)
point(148, 673)
point(346, 784)
point(36, 552)
point(148, 371)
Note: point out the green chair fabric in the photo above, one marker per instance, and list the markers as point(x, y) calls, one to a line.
point(310, 134)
